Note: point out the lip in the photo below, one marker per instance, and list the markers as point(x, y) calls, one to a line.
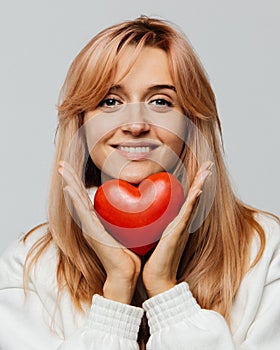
point(136, 150)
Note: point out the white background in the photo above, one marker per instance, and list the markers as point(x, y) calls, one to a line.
point(237, 42)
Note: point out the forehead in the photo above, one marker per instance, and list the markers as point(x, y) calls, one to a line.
point(150, 65)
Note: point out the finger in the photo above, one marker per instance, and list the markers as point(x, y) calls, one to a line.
point(192, 201)
point(201, 175)
point(91, 225)
point(66, 167)
point(68, 174)
point(188, 209)
point(197, 186)
point(76, 197)
point(71, 179)
point(194, 193)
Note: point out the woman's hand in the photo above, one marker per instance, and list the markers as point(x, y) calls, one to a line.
point(159, 273)
point(122, 266)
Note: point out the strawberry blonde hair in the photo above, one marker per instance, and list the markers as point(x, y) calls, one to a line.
point(217, 254)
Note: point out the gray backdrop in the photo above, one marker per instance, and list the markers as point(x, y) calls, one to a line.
point(237, 41)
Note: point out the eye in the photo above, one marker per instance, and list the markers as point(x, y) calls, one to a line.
point(109, 103)
point(161, 104)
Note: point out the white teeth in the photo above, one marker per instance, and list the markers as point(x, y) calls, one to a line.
point(145, 149)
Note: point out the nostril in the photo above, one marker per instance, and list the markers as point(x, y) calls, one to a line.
point(136, 128)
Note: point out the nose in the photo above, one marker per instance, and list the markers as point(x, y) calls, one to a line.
point(136, 123)
point(136, 128)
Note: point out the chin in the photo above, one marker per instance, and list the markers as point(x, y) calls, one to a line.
point(133, 179)
point(135, 176)
point(134, 172)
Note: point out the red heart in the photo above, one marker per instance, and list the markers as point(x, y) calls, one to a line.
point(137, 215)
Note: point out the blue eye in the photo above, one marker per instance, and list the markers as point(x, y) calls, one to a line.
point(109, 103)
point(161, 105)
point(161, 102)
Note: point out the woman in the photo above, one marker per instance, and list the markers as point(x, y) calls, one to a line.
point(136, 102)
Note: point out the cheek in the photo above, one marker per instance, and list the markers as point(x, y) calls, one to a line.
point(95, 131)
point(176, 134)
point(96, 142)
point(96, 155)
point(168, 156)
point(173, 141)
point(177, 145)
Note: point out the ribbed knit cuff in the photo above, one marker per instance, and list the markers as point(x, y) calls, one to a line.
point(115, 318)
point(170, 307)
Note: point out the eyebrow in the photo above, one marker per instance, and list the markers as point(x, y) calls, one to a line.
point(161, 87)
point(150, 88)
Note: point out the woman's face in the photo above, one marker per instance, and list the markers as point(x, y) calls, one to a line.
point(138, 129)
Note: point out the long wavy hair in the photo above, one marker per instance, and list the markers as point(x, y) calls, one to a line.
point(216, 256)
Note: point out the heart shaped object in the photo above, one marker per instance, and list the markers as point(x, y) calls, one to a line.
point(137, 215)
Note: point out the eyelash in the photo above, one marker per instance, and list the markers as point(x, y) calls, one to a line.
point(166, 102)
point(102, 103)
point(106, 100)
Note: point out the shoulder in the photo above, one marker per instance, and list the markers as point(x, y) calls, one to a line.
point(268, 221)
point(13, 259)
point(270, 259)
point(271, 227)
point(261, 283)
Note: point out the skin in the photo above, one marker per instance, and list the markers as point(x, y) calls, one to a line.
point(148, 83)
point(122, 265)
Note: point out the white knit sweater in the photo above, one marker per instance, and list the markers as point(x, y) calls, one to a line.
point(176, 321)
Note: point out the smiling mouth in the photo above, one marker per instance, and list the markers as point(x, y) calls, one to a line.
point(144, 149)
point(136, 152)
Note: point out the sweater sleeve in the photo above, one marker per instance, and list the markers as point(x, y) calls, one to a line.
point(26, 321)
point(110, 326)
point(177, 321)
